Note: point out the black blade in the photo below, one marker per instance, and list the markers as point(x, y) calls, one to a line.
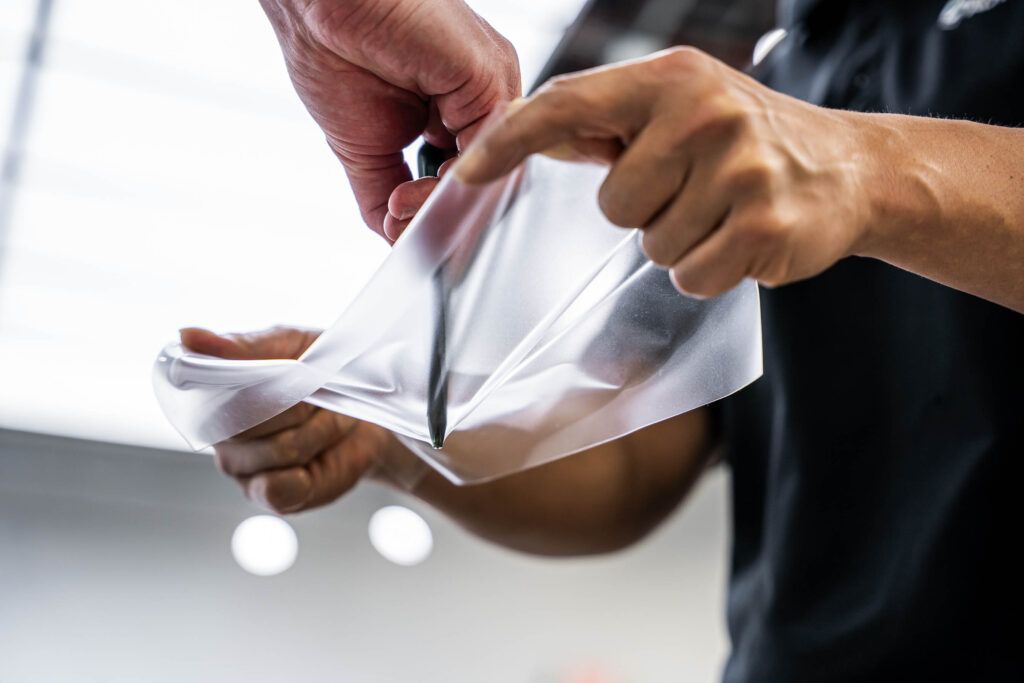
point(437, 386)
point(429, 161)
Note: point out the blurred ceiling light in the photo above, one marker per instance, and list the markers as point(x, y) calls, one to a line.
point(400, 535)
point(264, 545)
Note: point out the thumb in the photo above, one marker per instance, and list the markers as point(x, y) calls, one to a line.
point(275, 342)
point(404, 203)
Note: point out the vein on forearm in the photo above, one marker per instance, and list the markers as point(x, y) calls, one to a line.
point(950, 204)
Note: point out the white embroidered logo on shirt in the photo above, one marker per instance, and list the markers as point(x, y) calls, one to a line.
point(956, 11)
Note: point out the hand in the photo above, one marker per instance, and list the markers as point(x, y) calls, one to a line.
point(303, 458)
point(727, 178)
point(376, 74)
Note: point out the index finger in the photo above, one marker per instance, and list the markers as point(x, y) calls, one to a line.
point(292, 417)
point(592, 107)
point(535, 124)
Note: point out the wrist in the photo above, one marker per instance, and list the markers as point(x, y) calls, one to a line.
point(898, 184)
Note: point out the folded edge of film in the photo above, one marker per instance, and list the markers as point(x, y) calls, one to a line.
point(558, 335)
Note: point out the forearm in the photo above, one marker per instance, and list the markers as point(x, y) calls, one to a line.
point(948, 197)
point(593, 502)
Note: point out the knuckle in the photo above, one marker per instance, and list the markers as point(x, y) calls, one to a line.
point(555, 83)
point(511, 58)
point(555, 95)
point(304, 412)
point(285, 448)
point(756, 175)
point(679, 59)
point(504, 46)
point(571, 98)
point(319, 432)
point(763, 229)
point(719, 118)
point(331, 427)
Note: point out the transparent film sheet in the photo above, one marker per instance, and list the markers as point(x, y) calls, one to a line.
point(510, 325)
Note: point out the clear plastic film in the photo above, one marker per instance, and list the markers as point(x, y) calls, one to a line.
point(510, 325)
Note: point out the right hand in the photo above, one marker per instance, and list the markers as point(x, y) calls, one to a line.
point(306, 456)
point(376, 74)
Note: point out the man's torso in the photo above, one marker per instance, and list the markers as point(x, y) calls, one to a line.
point(875, 465)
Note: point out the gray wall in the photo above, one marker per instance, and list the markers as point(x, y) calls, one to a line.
point(115, 566)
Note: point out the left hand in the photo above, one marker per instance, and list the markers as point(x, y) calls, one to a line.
point(304, 457)
point(727, 178)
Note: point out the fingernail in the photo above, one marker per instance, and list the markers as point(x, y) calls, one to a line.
point(674, 277)
point(692, 295)
point(392, 228)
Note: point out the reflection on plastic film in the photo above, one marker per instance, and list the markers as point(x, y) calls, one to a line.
point(510, 325)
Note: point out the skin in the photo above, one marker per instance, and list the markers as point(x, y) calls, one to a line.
point(376, 74)
point(307, 457)
point(726, 178)
point(731, 180)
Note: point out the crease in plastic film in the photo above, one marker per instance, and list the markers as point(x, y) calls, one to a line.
point(558, 335)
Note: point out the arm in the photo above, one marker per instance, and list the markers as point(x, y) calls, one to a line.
point(600, 500)
point(595, 501)
point(729, 179)
point(951, 206)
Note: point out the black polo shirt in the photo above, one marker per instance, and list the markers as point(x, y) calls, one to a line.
point(877, 466)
